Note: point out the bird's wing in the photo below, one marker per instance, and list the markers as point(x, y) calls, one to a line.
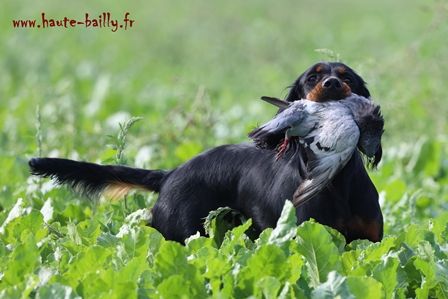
point(292, 116)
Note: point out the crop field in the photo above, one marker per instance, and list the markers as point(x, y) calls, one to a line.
point(189, 75)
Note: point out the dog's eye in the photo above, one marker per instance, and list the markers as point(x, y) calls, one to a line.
point(311, 79)
point(348, 80)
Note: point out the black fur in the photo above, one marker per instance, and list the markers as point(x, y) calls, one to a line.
point(242, 177)
point(91, 179)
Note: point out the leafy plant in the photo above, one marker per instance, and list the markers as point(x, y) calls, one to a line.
point(119, 141)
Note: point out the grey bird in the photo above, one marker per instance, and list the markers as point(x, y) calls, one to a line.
point(330, 131)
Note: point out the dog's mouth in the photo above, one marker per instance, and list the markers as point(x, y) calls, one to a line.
point(331, 88)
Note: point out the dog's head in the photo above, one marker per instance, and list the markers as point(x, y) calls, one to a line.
point(327, 81)
point(331, 81)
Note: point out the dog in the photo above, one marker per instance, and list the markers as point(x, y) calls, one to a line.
point(243, 177)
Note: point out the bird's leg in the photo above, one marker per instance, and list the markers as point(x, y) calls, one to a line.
point(282, 148)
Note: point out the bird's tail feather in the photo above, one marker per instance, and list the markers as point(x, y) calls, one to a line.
point(321, 173)
point(276, 102)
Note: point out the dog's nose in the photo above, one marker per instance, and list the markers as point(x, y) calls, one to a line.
point(332, 82)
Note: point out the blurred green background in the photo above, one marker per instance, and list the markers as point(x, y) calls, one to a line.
point(194, 71)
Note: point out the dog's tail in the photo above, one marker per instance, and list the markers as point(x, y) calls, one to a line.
point(94, 180)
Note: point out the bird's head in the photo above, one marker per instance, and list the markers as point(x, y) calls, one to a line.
point(371, 126)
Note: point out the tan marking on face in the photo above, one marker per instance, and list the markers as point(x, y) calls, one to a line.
point(319, 68)
point(320, 94)
point(316, 94)
point(346, 90)
point(341, 70)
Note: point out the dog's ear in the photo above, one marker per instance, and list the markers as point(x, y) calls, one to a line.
point(296, 91)
point(361, 88)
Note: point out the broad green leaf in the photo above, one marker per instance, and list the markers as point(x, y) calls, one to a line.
point(267, 261)
point(335, 287)
point(286, 227)
point(135, 243)
point(172, 259)
point(106, 283)
point(89, 260)
point(386, 273)
point(22, 225)
point(178, 286)
point(429, 158)
point(268, 287)
point(361, 260)
point(219, 221)
point(155, 240)
point(22, 261)
point(107, 240)
point(337, 238)
point(434, 278)
point(171, 262)
point(236, 239)
point(292, 291)
point(321, 254)
point(365, 287)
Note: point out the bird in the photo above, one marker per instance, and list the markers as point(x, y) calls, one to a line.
point(330, 131)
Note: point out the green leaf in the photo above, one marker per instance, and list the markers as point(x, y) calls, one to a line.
point(268, 260)
point(56, 290)
point(171, 267)
point(429, 158)
point(434, 278)
point(236, 238)
point(172, 259)
point(386, 273)
point(107, 283)
point(365, 287)
point(31, 223)
point(221, 220)
point(23, 260)
point(178, 286)
point(268, 287)
point(321, 254)
point(286, 227)
point(89, 260)
point(334, 287)
point(136, 243)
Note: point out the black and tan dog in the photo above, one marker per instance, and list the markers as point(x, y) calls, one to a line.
point(243, 177)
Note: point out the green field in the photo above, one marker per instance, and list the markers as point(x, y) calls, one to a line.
point(194, 71)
